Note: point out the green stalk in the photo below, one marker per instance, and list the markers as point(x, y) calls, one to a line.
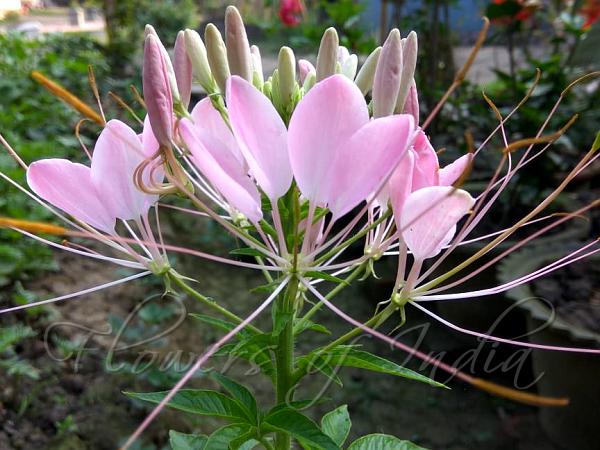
point(284, 357)
point(208, 302)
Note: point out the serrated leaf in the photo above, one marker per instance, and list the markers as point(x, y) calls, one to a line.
point(299, 427)
point(351, 357)
point(196, 401)
point(223, 437)
point(240, 393)
point(336, 424)
point(382, 442)
point(324, 276)
point(182, 441)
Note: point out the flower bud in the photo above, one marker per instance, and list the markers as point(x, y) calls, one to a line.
point(304, 68)
point(328, 52)
point(366, 74)
point(409, 64)
point(217, 55)
point(286, 68)
point(349, 66)
point(258, 78)
point(387, 76)
point(157, 92)
point(197, 54)
point(238, 48)
point(309, 81)
point(411, 106)
point(183, 70)
point(149, 30)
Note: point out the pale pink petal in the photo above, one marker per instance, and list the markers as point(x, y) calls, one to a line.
point(223, 171)
point(452, 172)
point(426, 163)
point(364, 161)
point(69, 187)
point(328, 115)
point(149, 142)
point(207, 118)
point(183, 70)
point(261, 135)
point(117, 154)
point(429, 218)
point(400, 184)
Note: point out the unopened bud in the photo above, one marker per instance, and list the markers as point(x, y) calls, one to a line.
point(183, 70)
point(387, 76)
point(328, 52)
point(238, 48)
point(157, 92)
point(258, 78)
point(286, 68)
point(309, 81)
point(217, 55)
point(366, 74)
point(411, 106)
point(409, 64)
point(304, 68)
point(149, 30)
point(197, 54)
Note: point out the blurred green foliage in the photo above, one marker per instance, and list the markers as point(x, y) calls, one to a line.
point(38, 125)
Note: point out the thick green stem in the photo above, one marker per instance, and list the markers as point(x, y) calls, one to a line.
point(284, 356)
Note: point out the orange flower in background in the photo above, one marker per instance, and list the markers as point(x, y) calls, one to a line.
point(290, 12)
point(591, 12)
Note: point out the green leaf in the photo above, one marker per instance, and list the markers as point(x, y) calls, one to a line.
point(298, 426)
point(221, 324)
point(13, 335)
point(239, 393)
point(350, 357)
point(182, 441)
point(196, 401)
point(324, 276)
point(303, 325)
point(336, 424)
point(244, 441)
point(246, 251)
point(223, 437)
point(382, 442)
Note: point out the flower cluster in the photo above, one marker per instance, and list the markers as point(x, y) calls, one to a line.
point(278, 161)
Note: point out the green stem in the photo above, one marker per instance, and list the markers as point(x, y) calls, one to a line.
point(284, 357)
point(374, 322)
point(353, 239)
point(208, 302)
point(311, 312)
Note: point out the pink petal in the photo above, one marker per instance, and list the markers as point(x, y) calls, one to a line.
point(207, 118)
point(261, 135)
point(364, 161)
point(329, 114)
point(69, 187)
point(149, 142)
point(117, 154)
point(222, 170)
point(400, 185)
point(426, 163)
point(429, 218)
point(452, 172)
